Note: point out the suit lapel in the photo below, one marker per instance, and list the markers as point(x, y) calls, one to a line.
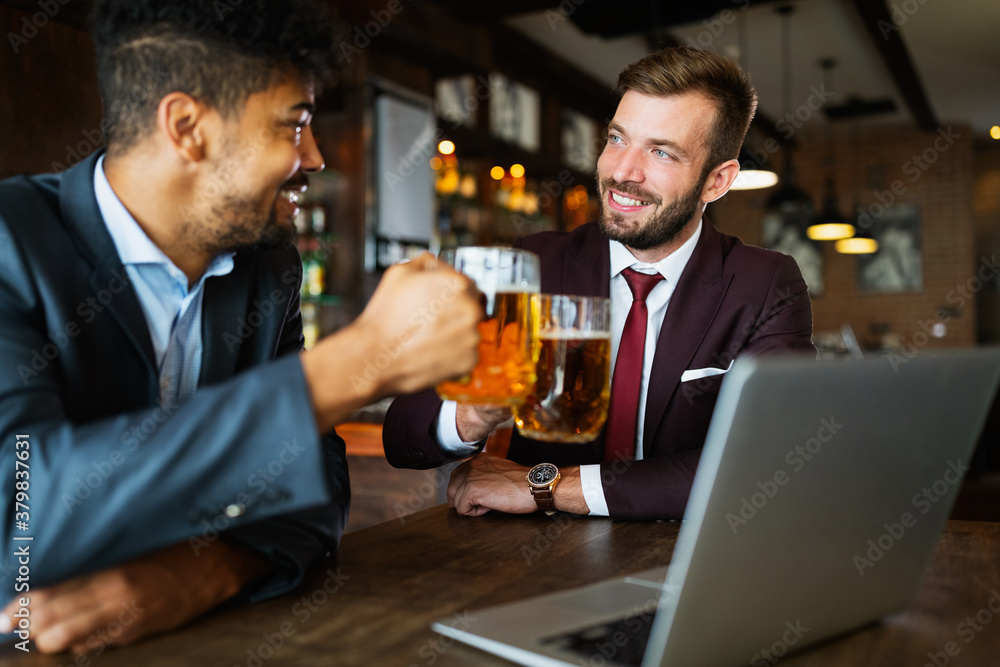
point(692, 308)
point(587, 269)
point(225, 302)
point(109, 280)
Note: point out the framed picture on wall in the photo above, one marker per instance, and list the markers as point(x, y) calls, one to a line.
point(897, 266)
point(455, 100)
point(514, 112)
point(401, 209)
point(579, 141)
point(786, 233)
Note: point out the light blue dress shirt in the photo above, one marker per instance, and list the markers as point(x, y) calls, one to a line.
point(172, 309)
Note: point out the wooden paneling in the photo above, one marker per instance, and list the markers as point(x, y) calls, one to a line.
point(50, 109)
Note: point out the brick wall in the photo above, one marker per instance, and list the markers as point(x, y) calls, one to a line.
point(877, 163)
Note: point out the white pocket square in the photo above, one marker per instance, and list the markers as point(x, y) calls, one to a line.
point(698, 373)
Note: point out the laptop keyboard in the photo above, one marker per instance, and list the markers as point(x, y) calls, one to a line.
point(619, 642)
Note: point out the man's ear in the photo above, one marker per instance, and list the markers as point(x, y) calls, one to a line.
point(720, 180)
point(185, 124)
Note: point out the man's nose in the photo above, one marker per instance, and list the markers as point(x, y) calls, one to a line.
point(628, 168)
point(312, 159)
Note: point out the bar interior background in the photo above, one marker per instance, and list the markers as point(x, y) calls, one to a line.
point(895, 138)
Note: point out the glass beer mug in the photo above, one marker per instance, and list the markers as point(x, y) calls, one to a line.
point(573, 385)
point(507, 278)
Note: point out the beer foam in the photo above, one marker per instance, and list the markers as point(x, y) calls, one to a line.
point(573, 334)
point(529, 286)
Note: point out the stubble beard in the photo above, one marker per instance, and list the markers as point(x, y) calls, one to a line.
point(241, 226)
point(235, 221)
point(659, 229)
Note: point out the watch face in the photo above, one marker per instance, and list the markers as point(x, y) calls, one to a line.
point(543, 473)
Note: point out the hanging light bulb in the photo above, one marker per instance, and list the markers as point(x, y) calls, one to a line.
point(754, 179)
point(856, 245)
point(753, 175)
point(830, 225)
point(862, 243)
point(790, 201)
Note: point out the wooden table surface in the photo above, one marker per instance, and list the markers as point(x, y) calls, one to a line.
point(372, 602)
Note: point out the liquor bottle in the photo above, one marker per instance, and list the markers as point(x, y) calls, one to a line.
point(313, 269)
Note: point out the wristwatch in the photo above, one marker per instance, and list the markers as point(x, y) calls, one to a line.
point(542, 480)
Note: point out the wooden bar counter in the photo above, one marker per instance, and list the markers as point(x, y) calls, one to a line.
point(371, 603)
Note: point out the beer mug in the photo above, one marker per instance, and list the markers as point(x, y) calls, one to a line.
point(507, 278)
point(573, 385)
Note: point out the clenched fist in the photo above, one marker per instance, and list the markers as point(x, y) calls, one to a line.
point(424, 315)
point(418, 328)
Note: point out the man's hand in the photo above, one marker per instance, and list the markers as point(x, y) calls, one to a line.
point(151, 594)
point(428, 312)
point(475, 422)
point(418, 328)
point(487, 483)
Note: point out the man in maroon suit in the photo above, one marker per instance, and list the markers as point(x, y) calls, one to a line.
point(671, 149)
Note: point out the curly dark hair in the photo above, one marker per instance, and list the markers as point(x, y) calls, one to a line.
point(218, 52)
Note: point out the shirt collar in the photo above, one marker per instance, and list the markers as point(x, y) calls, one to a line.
point(670, 267)
point(131, 242)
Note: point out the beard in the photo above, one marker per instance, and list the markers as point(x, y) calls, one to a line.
point(242, 227)
point(657, 230)
point(239, 221)
point(236, 221)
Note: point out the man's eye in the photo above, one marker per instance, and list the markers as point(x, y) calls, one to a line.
point(661, 154)
point(614, 139)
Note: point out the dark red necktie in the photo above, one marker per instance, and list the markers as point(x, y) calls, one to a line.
point(619, 438)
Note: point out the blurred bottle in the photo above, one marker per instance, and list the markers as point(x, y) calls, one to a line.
point(313, 269)
point(310, 326)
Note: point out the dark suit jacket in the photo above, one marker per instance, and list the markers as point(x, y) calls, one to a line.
point(112, 475)
point(731, 299)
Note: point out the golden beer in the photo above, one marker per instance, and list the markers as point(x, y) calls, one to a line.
point(505, 373)
point(573, 386)
point(570, 401)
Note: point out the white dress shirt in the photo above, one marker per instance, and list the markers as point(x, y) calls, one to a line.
point(670, 268)
point(172, 310)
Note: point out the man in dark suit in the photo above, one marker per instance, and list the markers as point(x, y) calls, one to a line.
point(671, 149)
point(174, 444)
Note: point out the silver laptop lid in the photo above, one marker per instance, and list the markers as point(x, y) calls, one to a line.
point(819, 499)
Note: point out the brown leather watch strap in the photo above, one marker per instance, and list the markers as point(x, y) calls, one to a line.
point(544, 499)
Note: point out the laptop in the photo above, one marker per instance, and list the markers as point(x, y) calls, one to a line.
point(819, 499)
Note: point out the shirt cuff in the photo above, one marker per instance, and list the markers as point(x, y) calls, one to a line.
point(447, 432)
point(593, 490)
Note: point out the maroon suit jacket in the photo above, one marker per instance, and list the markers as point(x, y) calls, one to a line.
point(731, 299)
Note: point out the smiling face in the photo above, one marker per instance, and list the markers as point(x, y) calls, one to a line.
point(261, 164)
point(650, 175)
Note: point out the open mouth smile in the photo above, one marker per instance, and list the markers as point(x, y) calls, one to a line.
point(621, 202)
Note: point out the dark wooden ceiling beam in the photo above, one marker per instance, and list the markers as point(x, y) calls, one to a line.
point(485, 12)
point(888, 41)
point(73, 14)
point(426, 34)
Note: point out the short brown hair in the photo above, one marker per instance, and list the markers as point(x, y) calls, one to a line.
point(680, 69)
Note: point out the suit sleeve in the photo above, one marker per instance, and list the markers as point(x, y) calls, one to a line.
point(409, 433)
point(658, 488)
point(106, 490)
point(785, 324)
point(294, 541)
